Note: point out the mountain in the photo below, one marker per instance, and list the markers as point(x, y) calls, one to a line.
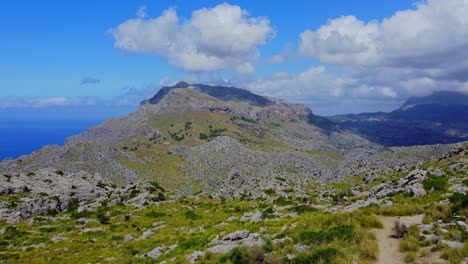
point(211, 174)
point(219, 140)
point(439, 118)
point(440, 98)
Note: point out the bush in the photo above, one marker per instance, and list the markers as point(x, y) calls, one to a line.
point(300, 209)
point(203, 136)
point(161, 197)
point(459, 202)
point(399, 230)
point(11, 232)
point(157, 186)
point(244, 255)
point(154, 214)
point(194, 243)
point(267, 213)
point(411, 240)
point(342, 232)
point(281, 201)
point(326, 255)
point(191, 215)
point(103, 218)
point(73, 204)
point(82, 214)
point(435, 183)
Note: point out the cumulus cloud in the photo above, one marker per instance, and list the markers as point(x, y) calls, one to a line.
point(224, 37)
point(341, 41)
point(434, 32)
point(89, 80)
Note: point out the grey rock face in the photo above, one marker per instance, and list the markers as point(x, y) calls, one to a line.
point(235, 239)
point(411, 184)
point(47, 191)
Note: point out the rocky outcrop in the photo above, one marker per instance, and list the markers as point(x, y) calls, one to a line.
point(410, 184)
point(47, 191)
point(235, 239)
point(51, 191)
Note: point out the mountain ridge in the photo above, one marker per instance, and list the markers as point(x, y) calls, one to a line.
point(439, 118)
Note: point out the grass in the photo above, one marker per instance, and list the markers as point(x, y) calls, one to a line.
point(344, 232)
point(191, 229)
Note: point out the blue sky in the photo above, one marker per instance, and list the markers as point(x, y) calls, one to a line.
point(49, 47)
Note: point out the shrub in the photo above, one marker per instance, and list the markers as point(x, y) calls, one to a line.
point(203, 136)
point(435, 183)
point(267, 213)
point(281, 201)
point(244, 255)
point(459, 202)
point(269, 191)
point(154, 214)
point(11, 232)
point(191, 215)
point(52, 211)
point(411, 240)
point(194, 243)
point(326, 255)
point(73, 204)
point(300, 209)
point(30, 174)
point(101, 184)
point(399, 229)
point(410, 257)
point(82, 214)
point(342, 232)
point(268, 247)
point(157, 186)
point(103, 218)
point(159, 198)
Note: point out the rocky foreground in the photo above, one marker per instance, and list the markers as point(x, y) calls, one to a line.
point(50, 216)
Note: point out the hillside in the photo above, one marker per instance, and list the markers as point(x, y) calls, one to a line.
point(345, 221)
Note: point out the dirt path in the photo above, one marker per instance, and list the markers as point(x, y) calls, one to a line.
point(388, 246)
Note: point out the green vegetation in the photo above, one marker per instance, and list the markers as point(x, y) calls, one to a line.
point(325, 255)
point(435, 183)
point(173, 223)
point(344, 233)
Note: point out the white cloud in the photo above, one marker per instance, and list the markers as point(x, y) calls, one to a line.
point(342, 40)
point(433, 33)
point(224, 37)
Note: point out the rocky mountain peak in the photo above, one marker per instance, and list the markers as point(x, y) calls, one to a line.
point(184, 97)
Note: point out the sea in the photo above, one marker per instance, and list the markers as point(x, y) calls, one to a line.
point(24, 131)
point(21, 138)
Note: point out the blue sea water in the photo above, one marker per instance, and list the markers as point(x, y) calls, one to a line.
point(20, 138)
point(24, 130)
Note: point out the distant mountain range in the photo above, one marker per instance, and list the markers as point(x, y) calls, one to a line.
point(439, 118)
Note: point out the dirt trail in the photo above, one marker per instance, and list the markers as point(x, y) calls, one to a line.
point(388, 246)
